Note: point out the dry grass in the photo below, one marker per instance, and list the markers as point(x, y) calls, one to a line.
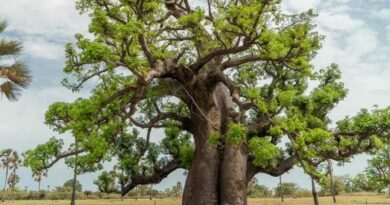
point(342, 200)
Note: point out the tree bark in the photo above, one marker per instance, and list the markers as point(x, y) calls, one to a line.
point(314, 192)
point(39, 187)
point(218, 173)
point(5, 183)
point(332, 188)
point(281, 189)
point(202, 181)
point(233, 177)
point(73, 199)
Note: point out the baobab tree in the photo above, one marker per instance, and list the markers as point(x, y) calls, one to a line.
point(228, 83)
point(15, 76)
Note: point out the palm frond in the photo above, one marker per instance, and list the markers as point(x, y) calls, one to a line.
point(16, 73)
point(10, 47)
point(3, 25)
point(14, 77)
point(10, 90)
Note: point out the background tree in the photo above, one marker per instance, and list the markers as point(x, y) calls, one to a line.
point(37, 176)
point(251, 186)
point(6, 158)
point(227, 81)
point(43, 157)
point(363, 183)
point(13, 180)
point(378, 170)
point(288, 189)
point(257, 190)
point(10, 161)
point(13, 77)
point(177, 189)
point(338, 184)
point(16, 162)
point(106, 183)
point(348, 183)
point(69, 184)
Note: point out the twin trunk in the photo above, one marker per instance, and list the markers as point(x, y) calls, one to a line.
point(218, 173)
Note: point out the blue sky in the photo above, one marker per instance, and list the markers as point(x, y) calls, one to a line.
point(357, 38)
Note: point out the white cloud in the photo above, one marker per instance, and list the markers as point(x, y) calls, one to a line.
point(26, 116)
point(299, 5)
point(48, 18)
point(338, 22)
point(383, 14)
point(40, 48)
point(47, 23)
point(362, 43)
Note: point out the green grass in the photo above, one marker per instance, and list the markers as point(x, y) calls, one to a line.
point(341, 200)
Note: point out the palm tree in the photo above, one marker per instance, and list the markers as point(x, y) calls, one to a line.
point(14, 178)
point(14, 77)
point(6, 160)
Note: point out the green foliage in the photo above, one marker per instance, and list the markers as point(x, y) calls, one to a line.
point(214, 138)
point(41, 156)
point(362, 182)
point(264, 152)
point(69, 184)
point(289, 189)
point(338, 183)
point(378, 170)
point(236, 134)
point(105, 182)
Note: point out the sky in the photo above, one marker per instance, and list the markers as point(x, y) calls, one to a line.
point(357, 38)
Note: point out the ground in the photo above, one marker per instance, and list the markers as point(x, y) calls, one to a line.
point(342, 200)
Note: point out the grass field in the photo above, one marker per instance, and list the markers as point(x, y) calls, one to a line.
point(342, 200)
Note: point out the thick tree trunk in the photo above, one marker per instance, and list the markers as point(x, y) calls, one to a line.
point(233, 177)
point(218, 173)
point(201, 187)
point(5, 184)
point(314, 192)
